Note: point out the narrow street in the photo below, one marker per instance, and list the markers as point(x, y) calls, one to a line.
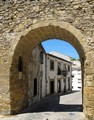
point(54, 107)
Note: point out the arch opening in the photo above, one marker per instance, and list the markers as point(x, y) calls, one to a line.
point(24, 48)
point(60, 48)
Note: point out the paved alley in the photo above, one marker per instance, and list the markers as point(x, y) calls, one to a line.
point(54, 107)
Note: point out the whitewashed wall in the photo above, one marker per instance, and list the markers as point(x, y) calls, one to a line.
point(53, 74)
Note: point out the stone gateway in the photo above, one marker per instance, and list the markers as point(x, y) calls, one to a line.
point(26, 23)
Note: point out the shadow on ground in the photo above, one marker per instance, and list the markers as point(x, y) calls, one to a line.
point(51, 104)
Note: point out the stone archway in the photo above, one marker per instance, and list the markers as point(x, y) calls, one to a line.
point(41, 32)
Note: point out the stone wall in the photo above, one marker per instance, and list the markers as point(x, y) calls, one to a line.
point(36, 21)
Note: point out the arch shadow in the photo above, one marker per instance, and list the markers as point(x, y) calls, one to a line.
point(52, 103)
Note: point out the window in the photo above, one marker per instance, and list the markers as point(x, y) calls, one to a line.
point(79, 87)
point(72, 75)
point(20, 64)
point(20, 68)
point(68, 68)
point(52, 86)
point(51, 65)
point(35, 86)
point(59, 69)
point(41, 57)
point(64, 66)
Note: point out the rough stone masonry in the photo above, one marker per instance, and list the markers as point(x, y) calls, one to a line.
point(26, 23)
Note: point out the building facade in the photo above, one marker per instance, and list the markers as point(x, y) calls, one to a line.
point(36, 75)
point(47, 74)
point(76, 75)
point(58, 73)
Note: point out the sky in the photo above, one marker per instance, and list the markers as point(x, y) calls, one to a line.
point(61, 47)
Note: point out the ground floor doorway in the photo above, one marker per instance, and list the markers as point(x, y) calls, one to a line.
point(51, 87)
point(59, 86)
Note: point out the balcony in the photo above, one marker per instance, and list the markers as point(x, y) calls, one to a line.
point(64, 73)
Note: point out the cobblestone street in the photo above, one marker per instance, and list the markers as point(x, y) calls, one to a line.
point(54, 107)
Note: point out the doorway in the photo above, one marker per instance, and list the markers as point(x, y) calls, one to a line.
point(52, 87)
point(59, 86)
point(64, 85)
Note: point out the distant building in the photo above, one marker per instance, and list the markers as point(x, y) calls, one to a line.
point(48, 74)
point(76, 75)
point(58, 73)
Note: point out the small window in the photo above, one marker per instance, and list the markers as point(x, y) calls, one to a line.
point(79, 87)
point(51, 65)
point(59, 69)
point(20, 64)
point(64, 66)
point(68, 68)
point(35, 86)
point(41, 57)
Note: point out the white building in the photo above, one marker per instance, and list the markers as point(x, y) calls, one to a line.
point(76, 75)
point(47, 74)
point(58, 73)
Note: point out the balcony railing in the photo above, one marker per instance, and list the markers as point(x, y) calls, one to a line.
point(64, 73)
